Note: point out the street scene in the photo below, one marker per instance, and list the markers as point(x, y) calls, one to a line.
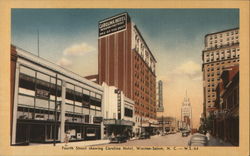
point(125, 77)
point(168, 140)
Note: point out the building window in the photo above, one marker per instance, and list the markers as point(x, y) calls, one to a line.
point(128, 112)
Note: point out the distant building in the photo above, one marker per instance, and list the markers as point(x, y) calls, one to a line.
point(221, 51)
point(186, 113)
point(159, 97)
point(167, 124)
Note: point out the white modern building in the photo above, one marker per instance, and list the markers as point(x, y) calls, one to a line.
point(118, 112)
point(49, 100)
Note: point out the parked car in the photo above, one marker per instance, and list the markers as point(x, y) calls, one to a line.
point(185, 133)
point(144, 135)
point(198, 140)
point(119, 139)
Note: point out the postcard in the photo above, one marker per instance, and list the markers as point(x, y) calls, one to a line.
point(128, 78)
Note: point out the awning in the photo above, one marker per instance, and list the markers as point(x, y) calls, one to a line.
point(118, 122)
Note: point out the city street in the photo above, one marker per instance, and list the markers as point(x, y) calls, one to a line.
point(167, 140)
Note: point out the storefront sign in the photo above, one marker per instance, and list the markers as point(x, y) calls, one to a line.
point(114, 24)
point(42, 93)
point(97, 119)
point(117, 122)
point(126, 123)
point(109, 122)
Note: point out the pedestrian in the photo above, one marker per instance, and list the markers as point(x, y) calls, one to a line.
point(208, 135)
point(66, 138)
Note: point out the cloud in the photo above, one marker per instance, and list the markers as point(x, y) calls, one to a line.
point(64, 62)
point(78, 49)
point(190, 69)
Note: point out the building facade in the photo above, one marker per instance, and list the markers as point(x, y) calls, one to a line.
point(186, 113)
point(226, 120)
point(48, 101)
point(221, 50)
point(118, 113)
point(126, 62)
point(159, 98)
point(167, 124)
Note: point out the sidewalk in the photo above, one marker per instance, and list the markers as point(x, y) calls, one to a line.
point(217, 142)
point(79, 143)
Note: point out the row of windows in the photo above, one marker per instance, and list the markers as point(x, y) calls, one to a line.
point(221, 63)
point(223, 58)
point(211, 95)
point(217, 53)
point(40, 114)
point(144, 52)
point(228, 39)
point(40, 89)
point(221, 45)
point(221, 34)
point(144, 114)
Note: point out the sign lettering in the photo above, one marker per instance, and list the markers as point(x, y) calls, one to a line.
point(113, 24)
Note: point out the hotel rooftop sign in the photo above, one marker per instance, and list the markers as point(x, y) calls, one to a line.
point(113, 24)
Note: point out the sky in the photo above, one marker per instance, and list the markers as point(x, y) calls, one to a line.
point(69, 38)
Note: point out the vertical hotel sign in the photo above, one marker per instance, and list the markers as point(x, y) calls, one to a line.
point(112, 25)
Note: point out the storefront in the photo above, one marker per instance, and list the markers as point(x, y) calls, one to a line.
point(118, 127)
point(32, 131)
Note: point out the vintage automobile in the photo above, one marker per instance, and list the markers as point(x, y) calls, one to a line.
point(198, 140)
point(118, 139)
point(144, 135)
point(185, 133)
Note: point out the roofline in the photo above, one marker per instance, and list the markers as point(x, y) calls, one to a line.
point(222, 31)
point(85, 81)
point(113, 17)
point(144, 42)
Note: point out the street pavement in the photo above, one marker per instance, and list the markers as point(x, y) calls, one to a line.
point(157, 140)
point(167, 140)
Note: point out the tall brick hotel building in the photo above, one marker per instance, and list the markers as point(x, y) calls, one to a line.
point(126, 62)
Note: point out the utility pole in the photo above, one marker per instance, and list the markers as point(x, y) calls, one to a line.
point(38, 52)
point(162, 124)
